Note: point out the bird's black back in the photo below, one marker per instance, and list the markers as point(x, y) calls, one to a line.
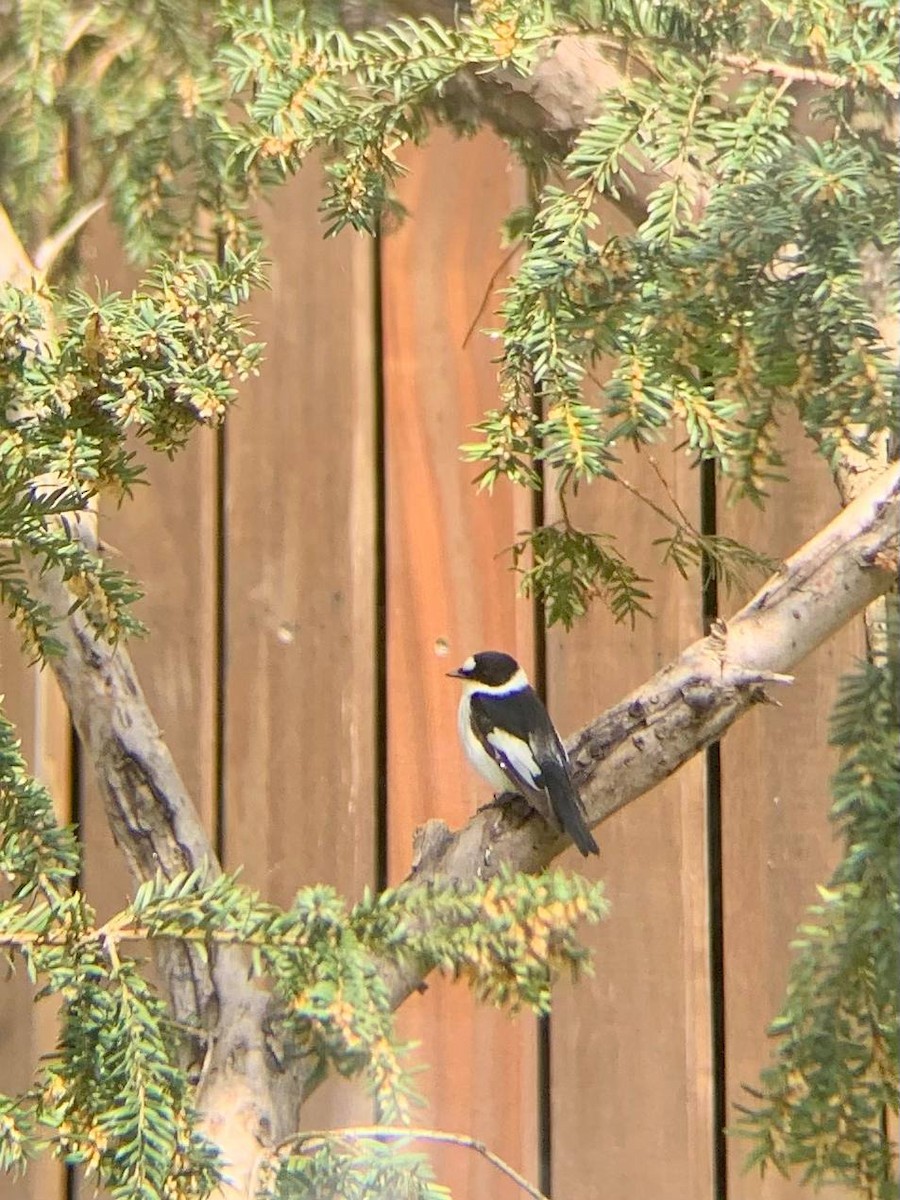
point(522, 713)
point(551, 790)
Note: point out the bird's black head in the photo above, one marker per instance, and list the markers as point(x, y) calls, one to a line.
point(490, 667)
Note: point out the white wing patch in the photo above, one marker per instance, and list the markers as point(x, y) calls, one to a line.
point(518, 754)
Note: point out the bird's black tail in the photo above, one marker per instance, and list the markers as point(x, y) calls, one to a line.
point(566, 806)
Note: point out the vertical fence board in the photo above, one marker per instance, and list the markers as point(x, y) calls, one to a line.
point(631, 1087)
point(165, 537)
point(31, 700)
point(301, 477)
point(777, 841)
point(448, 595)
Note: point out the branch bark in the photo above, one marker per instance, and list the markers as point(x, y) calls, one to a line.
point(690, 703)
point(247, 1096)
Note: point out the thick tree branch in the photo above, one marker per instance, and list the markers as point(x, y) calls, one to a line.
point(152, 817)
point(247, 1097)
point(691, 703)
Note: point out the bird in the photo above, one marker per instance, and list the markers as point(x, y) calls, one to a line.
point(509, 738)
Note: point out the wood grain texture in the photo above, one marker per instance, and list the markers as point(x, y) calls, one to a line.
point(300, 580)
point(631, 1084)
point(777, 841)
point(31, 700)
point(448, 595)
point(166, 538)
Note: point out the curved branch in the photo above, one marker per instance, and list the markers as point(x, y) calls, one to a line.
point(691, 703)
point(247, 1095)
point(747, 64)
point(310, 1141)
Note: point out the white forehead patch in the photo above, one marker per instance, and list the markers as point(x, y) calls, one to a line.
point(469, 665)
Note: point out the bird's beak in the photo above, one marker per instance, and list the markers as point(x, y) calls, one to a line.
point(457, 674)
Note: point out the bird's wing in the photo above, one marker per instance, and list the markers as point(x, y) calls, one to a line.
point(519, 736)
point(508, 728)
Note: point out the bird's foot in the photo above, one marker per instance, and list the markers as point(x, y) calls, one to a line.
point(499, 801)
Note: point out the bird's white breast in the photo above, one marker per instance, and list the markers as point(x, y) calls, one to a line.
point(476, 753)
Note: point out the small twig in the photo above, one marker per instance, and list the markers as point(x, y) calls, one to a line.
point(487, 293)
point(109, 942)
point(684, 523)
point(51, 247)
point(654, 465)
point(795, 74)
point(639, 495)
point(741, 677)
point(564, 509)
point(382, 1133)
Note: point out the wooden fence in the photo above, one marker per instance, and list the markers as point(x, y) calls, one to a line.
point(311, 574)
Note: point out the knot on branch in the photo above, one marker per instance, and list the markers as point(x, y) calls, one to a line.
point(886, 559)
point(429, 843)
point(717, 666)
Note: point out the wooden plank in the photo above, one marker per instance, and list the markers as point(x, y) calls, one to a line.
point(776, 839)
point(300, 576)
point(32, 702)
point(448, 595)
point(165, 537)
point(631, 1082)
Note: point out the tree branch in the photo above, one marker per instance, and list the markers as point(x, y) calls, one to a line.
point(51, 247)
point(308, 1142)
point(691, 703)
point(247, 1096)
point(746, 64)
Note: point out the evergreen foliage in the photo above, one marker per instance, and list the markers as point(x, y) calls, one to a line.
point(823, 1102)
point(155, 365)
point(114, 1097)
point(741, 294)
point(356, 1172)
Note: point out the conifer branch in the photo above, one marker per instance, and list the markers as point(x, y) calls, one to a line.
point(792, 73)
point(51, 247)
point(246, 1097)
